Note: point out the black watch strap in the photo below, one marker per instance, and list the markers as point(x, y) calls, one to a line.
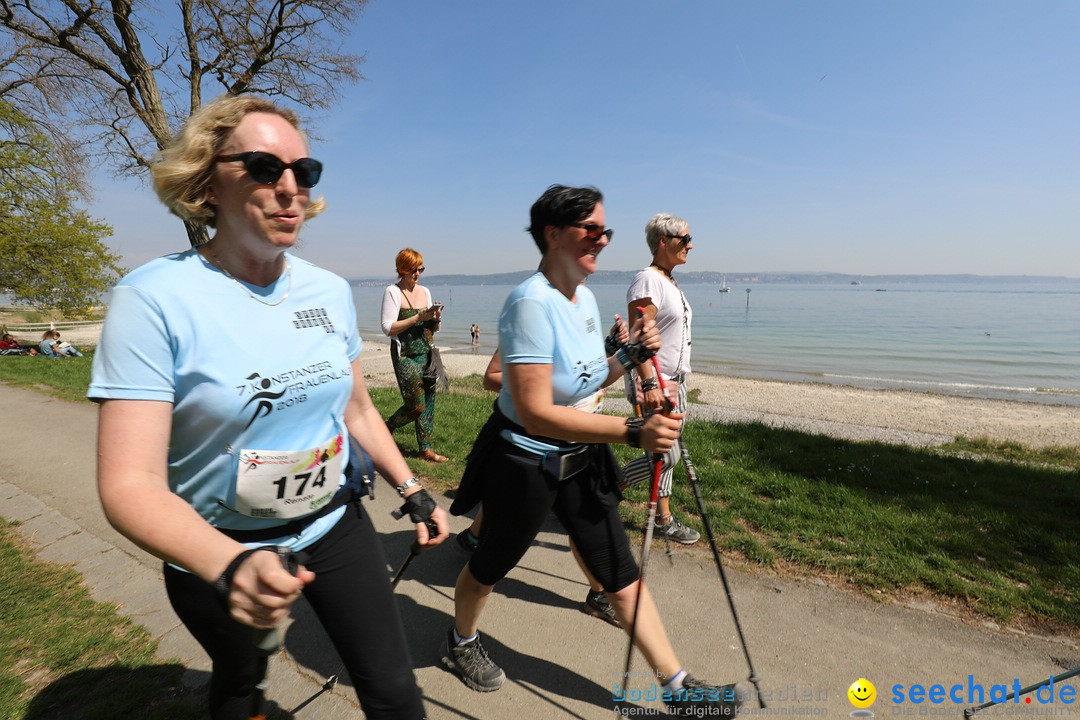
point(633, 431)
point(224, 582)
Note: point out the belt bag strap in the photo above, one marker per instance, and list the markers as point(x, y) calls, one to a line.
point(564, 465)
point(344, 496)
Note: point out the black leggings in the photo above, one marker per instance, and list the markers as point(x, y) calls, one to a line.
point(352, 597)
point(518, 496)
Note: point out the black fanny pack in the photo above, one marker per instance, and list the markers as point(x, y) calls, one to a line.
point(565, 464)
point(562, 464)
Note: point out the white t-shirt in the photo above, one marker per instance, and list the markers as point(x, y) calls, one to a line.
point(673, 318)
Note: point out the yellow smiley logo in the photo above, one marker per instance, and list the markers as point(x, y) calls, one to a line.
point(862, 693)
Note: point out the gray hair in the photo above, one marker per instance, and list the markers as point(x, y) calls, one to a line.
point(663, 225)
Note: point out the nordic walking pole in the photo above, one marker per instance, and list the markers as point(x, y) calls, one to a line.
point(414, 550)
point(754, 679)
point(969, 712)
point(266, 644)
point(638, 412)
point(267, 641)
point(653, 497)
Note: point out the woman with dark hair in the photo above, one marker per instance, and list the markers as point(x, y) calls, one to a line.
point(229, 382)
point(537, 453)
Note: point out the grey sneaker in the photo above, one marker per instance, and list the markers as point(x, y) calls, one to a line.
point(678, 532)
point(596, 604)
point(471, 663)
point(698, 698)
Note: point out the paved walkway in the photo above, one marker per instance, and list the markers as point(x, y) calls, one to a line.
point(808, 642)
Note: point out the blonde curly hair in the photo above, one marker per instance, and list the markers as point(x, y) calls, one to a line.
point(181, 172)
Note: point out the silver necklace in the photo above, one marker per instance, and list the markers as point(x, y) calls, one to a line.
point(253, 296)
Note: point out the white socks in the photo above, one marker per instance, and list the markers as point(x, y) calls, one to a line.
point(459, 641)
point(675, 683)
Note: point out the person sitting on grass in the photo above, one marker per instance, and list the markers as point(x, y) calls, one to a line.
point(50, 345)
point(65, 347)
point(10, 346)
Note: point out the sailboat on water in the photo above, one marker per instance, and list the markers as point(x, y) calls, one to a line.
point(723, 284)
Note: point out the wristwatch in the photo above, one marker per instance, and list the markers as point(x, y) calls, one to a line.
point(406, 485)
point(633, 431)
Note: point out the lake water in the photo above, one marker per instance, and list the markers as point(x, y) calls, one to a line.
point(1005, 340)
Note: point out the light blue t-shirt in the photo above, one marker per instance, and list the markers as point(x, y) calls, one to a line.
point(540, 325)
point(241, 374)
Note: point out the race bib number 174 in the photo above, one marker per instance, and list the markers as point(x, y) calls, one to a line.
point(288, 484)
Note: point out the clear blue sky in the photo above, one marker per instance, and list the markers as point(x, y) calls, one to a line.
point(859, 137)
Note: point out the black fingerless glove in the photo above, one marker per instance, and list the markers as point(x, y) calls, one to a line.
point(419, 506)
point(631, 355)
point(611, 343)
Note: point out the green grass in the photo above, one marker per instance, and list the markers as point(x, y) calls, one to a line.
point(1064, 457)
point(993, 534)
point(66, 379)
point(64, 655)
point(992, 527)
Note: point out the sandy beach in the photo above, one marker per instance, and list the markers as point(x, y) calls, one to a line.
point(855, 413)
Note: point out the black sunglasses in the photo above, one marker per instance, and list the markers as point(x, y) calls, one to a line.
point(594, 231)
point(684, 239)
point(265, 168)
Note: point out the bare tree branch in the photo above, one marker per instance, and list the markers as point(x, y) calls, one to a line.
point(100, 77)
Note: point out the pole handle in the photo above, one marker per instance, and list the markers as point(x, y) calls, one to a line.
point(268, 640)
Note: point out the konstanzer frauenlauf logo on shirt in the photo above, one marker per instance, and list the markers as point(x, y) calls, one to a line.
point(273, 393)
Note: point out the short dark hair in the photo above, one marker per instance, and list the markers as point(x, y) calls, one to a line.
point(561, 206)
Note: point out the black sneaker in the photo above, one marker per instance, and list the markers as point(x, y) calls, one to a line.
point(466, 542)
point(696, 695)
point(471, 663)
point(596, 604)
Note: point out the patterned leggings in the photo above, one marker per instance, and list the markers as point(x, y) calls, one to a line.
point(640, 469)
point(417, 396)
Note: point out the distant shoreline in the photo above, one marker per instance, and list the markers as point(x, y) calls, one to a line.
point(714, 277)
point(901, 416)
point(898, 416)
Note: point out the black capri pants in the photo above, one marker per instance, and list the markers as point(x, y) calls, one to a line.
point(518, 495)
point(353, 599)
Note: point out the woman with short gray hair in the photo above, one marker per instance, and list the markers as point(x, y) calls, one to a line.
point(655, 292)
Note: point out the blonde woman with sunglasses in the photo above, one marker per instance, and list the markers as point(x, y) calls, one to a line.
point(229, 383)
